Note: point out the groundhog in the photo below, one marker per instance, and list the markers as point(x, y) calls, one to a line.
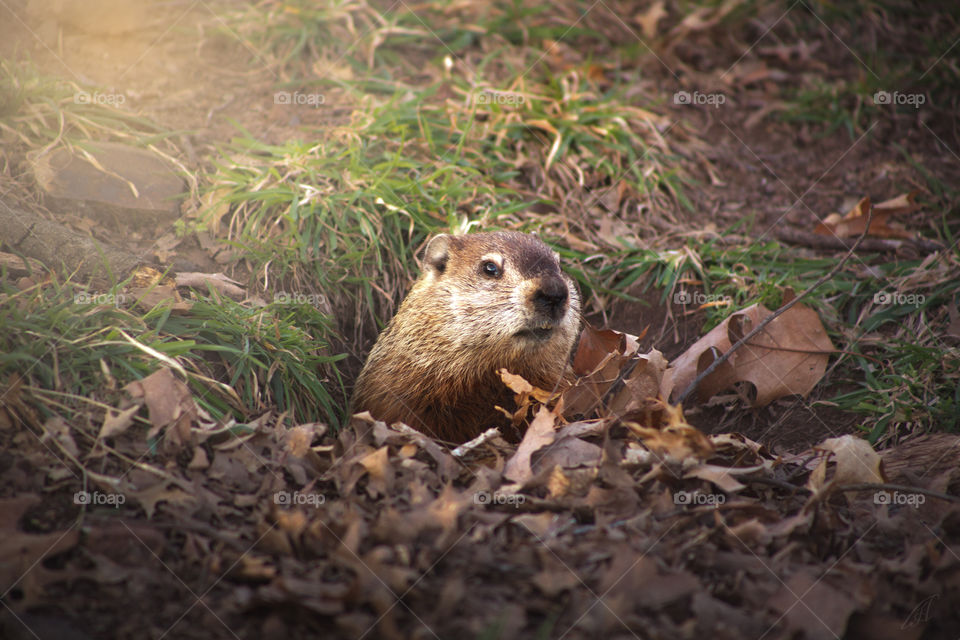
point(484, 301)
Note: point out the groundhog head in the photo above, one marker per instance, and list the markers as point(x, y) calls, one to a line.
point(502, 289)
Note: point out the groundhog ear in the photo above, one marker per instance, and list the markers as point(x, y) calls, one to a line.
point(436, 254)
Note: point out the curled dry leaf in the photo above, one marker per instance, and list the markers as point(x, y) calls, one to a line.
point(598, 346)
point(379, 470)
point(601, 356)
point(568, 452)
point(722, 477)
point(855, 222)
point(642, 386)
point(199, 460)
point(116, 423)
point(526, 396)
point(149, 497)
point(523, 389)
point(788, 357)
point(298, 440)
point(856, 460)
point(171, 405)
point(539, 434)
point(675, 440)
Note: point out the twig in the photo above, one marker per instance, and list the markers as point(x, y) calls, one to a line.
point(780, 484)
point(466, 447)
point(902, 488)
point(776, 314)
point(816, 241)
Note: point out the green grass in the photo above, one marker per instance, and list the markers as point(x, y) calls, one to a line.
point(239, 361)
point(342, 217)
point(293, 35)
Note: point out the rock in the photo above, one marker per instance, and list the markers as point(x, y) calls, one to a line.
point(73, 185)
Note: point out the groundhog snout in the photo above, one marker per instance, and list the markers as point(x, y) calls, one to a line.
point(550, 298)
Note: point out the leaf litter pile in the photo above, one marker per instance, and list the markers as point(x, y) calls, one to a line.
point(612, 517)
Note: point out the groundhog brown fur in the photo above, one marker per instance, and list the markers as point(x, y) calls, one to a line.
point(484, 301)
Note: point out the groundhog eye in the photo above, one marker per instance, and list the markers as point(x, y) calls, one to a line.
point(490, 268)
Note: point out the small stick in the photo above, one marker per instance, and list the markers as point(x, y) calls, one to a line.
point(902, 488)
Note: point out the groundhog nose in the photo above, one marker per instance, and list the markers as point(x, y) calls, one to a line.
point(550, 298)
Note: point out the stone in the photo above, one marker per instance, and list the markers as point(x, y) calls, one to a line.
point(72, 185)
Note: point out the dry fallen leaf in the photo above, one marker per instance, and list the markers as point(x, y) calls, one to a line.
point(567, 453)
point(523, 389)
point(447, 508)
point(539, 434)
point(380, 472)
point(597, 346)
point(857, 462)
point(648, 19)
point(601, 356)
point(642, 386)
point(788, 357)
point(675, 440)
point(56, 428)
point(151, 496)
point(720, 476)
point(115, 424)
point(854, 223)
point(170, 402)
